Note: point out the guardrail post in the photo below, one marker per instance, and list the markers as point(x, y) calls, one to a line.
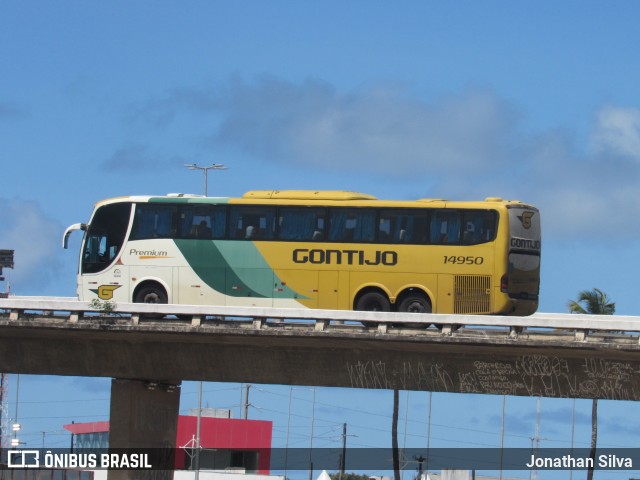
point(257, 323)
point(320, 325)
point(514, 332)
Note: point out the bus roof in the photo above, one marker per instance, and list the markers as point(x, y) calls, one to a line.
point(323, 197)
point(308, 195)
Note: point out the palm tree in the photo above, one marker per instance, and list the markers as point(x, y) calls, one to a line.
point(594, 302)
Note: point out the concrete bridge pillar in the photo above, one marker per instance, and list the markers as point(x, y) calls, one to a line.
point(144, 419)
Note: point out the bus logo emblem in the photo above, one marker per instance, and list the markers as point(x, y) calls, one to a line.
point(105, 292)
point(525, 218)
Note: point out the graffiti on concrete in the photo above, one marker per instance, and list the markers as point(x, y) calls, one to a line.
point(528, 375)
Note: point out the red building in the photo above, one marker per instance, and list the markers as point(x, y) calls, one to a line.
point(226, 443)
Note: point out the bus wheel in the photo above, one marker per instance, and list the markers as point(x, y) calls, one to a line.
point(415, 303)
point(373, 302)
point(151, 294)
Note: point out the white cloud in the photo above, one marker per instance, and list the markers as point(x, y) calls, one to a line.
point(382, 130)
point(618, 131)
point(468, 145)
point(36, 241)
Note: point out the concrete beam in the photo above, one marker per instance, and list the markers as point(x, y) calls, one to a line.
point(551, 357)
point(144, 417)
point(606, 367)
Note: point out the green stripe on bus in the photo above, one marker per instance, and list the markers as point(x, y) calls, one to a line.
point(250, 275)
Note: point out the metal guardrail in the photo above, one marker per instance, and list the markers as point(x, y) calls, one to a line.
point(320, 319)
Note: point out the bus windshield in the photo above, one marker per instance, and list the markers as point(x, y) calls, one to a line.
point(105, 236)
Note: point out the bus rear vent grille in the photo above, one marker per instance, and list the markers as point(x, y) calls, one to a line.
point(472, 294)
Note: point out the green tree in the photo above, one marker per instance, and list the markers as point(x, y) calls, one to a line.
point(594, 302)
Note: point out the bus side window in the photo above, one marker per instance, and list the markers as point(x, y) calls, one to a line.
point(201, 228)
point(252, 223)
point(479, 226)
point(384, 229)
point(154, 221)
point(352, 225)
point(202, 222)
point(403, 226)
point(300, 224)
point(445, 228)
point(218, 221)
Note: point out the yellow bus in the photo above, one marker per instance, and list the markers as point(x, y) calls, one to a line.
point(315, 249)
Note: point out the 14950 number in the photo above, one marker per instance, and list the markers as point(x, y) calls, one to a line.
point(460, 260)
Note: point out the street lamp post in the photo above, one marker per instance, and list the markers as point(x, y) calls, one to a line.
point(193, 166)
point(213, 166)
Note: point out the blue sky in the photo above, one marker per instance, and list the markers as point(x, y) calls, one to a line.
point(534, 101)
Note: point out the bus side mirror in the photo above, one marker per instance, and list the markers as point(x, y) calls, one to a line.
point(72, 228)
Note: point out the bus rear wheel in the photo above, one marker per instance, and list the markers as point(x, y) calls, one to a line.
point(415, 303)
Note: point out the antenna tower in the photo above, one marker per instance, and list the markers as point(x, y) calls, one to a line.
point(6, 261)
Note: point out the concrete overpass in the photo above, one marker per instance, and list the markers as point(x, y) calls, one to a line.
point(149, 349)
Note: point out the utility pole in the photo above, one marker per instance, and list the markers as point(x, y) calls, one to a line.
point(535, 441)
point(502, 436)
point(313, 413)
point(246, 401)
point(197, 458)
point(426, 468)
point(343, 457)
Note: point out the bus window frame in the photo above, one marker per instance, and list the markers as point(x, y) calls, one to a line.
point(273, 213)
